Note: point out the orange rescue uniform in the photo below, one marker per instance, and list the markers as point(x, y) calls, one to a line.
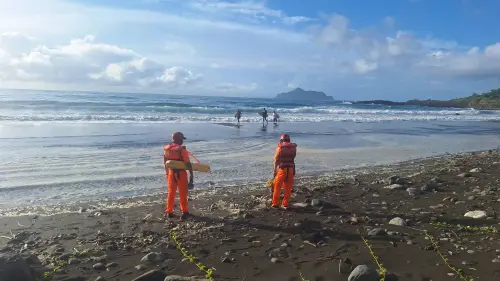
point(284, 159)
point(177, 179)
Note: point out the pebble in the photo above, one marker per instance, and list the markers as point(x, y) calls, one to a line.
point(376, 195)
point(411, 191)
point(275, 260)
point(464, 175)
point(496, 261)
point(152, 258)
point(397, 221)
point(151, 275)
point(64, 256)
point(394, 186)
point(73, 261)
point(300, 205)
point(111, 264)
point(100, 278)
point(476, 214)
point(315, 202)
point(476, 170)
point(363, 273)
point(470, 251)
point(297, 224)
point(376, 232)
point(98, 266)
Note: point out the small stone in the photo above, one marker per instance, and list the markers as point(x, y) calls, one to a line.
point(245, 254)
point(300, 205)
point(411, 191)
point(152, 258)
point(495, 261)
point(429, 187)
point(111, 264)
point(476, 170)
point(64, 257)
point(320, 213)
point(470, 251)
point(225, 260)
point(363, 273)
point(98, 266)
point(397, 221)
point(376, 195)
point(275, 260)
point(464, 175)
point(316, 203)
point(100, 278)
point(73, 261)
point(394, 186)
point(376, 232)
point(476, 214)
point(297, 224)
point(140, 267)
point(152, 275)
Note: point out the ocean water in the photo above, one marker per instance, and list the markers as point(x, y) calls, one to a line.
point(66, 147)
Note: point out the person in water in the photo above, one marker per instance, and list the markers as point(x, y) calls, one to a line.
point(264, 117)
point(238, 115)
point(276, 116)
point(284, 171)
point(177, 179)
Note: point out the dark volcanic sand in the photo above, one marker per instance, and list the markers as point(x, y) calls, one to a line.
point(238, 235)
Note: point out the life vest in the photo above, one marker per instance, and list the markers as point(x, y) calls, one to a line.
point(173, 151)
point(287, 154)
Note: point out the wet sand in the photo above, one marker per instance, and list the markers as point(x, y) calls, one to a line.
point(321, 237)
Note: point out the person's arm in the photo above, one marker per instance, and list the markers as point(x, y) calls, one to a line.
point(165, 159)
point(185, 158)
point(276, 161)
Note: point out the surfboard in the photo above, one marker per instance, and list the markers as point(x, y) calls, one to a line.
point(171, 164)
point(261, 113)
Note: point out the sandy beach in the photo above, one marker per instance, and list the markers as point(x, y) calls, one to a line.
point(410, 214)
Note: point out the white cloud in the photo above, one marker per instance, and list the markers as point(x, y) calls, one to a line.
point(256, 10)
point(362, 66)
point(85, 60)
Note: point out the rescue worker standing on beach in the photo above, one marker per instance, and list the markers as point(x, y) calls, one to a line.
point(177, 179)
point(284, 171)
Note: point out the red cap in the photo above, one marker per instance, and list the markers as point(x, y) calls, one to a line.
point(178, 136)
point(285, 137)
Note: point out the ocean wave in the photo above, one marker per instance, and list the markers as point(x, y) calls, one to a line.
point(298, 116)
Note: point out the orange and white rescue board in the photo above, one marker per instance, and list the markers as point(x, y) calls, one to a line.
point(172, 164)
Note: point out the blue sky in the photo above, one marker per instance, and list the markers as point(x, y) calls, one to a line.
point(353, 49)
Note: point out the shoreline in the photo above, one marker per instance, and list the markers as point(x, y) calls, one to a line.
point(332, 218)
point(227, 190)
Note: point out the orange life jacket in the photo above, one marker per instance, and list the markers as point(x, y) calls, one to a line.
point(287, 154)
point(173, 151)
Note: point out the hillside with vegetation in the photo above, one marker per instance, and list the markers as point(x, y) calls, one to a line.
point(488, 100)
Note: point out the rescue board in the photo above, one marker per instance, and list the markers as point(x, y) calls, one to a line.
point(171, 164)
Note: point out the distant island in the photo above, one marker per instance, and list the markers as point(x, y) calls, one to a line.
point(301, 94)
point(488, 100)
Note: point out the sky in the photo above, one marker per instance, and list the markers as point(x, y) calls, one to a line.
point(350, 49)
